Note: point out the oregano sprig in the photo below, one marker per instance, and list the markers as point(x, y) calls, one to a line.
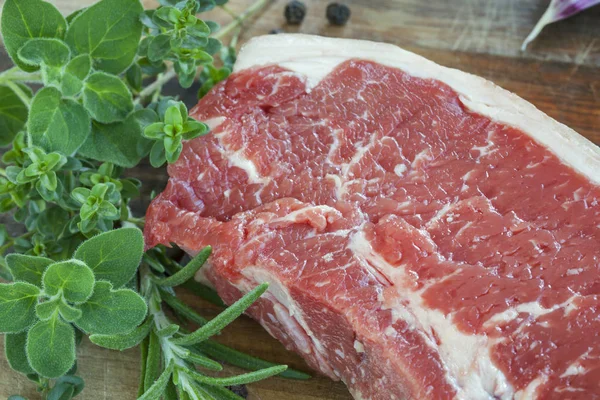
point(73, 258)
point(58, 297)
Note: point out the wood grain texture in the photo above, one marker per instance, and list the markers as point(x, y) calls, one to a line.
point(495, 27)
point(560, 74)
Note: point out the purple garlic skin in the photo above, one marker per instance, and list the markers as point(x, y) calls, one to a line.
point(558, 10)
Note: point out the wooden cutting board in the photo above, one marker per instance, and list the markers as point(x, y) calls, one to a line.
point(560, 74)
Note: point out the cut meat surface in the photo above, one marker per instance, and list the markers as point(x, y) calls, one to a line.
point(426, 234)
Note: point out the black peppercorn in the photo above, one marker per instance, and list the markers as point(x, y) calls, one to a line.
point(295, 11)
point(338, 14)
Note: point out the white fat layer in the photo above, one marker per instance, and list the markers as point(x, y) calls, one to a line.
point(236, 158)
point(315, 57)
point(214, 122)
point(359, 347)
point(292, 328)
point(466, 358)
point(400, 169)
point(294, 317)
point(439, 214)
point(202, 274)
point(576, 368)
point(531, 389)
point(532, 308)
point(295, 215)
point(358, 395)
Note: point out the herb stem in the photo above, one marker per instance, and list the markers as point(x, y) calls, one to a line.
point(15, 74)
point(250, 11)
point(19, 92)
point(44, 387)
point(10, 242)
point(171, 351)
point(6, 246)
point(156, 85)
point(229, 11)
point(234, 38)
point(137, 221)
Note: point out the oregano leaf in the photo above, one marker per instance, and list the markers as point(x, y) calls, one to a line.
point(53, 221)
point(76, 71)
point(124, 341)
point(171, 3)
point(106, 98)
point(68, 312)
point(159, 47)
point(109, 31)
point(75, 14)
point(72, 277)
point(51, 76)
point(27, 268)
point(157, 155)
point(145, 117)
point(49, 51)
point(26, 19)
point(74, 381)
point(111, 312)
point(113, 256)
point(14, 349)
point(206, 5)
point(57, 124)
point(134, 77)
point(80, 66)
point(120, 143)
point(17, 306)
point(47, 309)
point(13, 113)
point(213, 26)
point(61, 391)
point(51, 347)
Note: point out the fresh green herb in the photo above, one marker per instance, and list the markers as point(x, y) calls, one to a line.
point(80, 268)
point(175, 126)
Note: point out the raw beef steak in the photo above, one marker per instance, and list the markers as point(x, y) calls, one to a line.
point(426, 234)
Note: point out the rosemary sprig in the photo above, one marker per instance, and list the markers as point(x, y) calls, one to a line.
point(175, 345)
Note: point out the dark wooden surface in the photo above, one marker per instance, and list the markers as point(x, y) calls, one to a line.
point(560, 74)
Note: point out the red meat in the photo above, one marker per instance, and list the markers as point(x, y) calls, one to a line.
point(416, 248)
